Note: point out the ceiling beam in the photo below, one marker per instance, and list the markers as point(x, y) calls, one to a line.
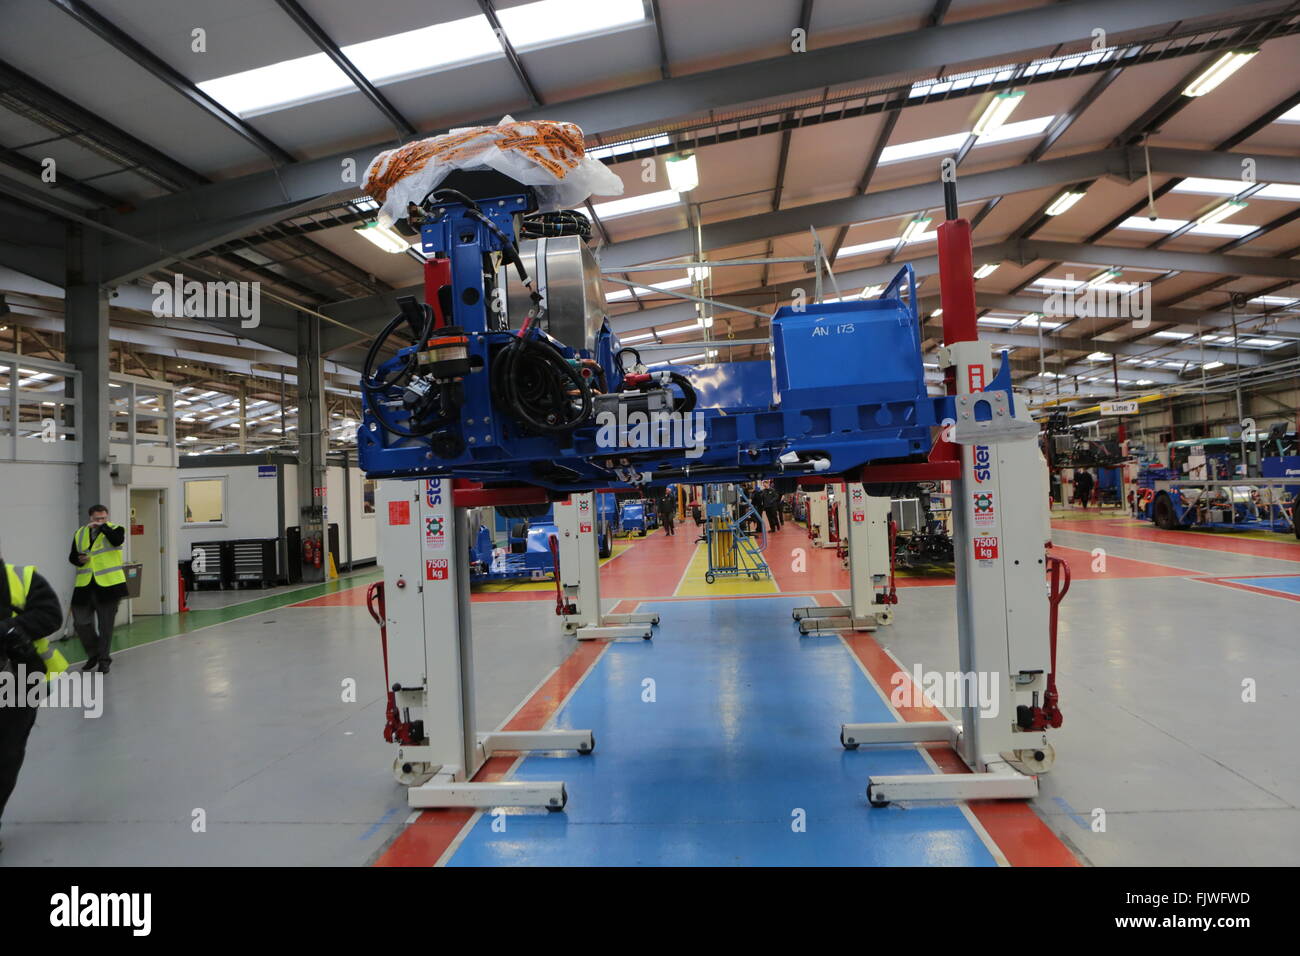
point(1029, 31)
point(1124, 164)
point(331, 49)
point(126, 44)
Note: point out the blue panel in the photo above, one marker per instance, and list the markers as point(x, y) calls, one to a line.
point(743, 733)
point(1287, 585)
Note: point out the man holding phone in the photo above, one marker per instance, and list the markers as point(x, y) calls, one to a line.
point(101, 585)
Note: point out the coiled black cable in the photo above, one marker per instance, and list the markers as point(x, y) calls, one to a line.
point(532, 381)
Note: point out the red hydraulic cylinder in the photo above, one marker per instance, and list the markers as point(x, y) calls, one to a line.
point(957, 282)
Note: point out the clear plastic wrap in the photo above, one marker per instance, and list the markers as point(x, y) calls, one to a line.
point(540, 153)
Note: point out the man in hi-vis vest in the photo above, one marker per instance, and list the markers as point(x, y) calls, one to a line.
point(29, 613)
point(101, 585)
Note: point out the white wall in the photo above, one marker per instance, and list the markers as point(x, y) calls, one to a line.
point(38, 516)
point(251, 509)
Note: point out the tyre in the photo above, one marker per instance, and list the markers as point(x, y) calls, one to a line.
point(1163, 515)
point(893, 489)
point(606, 548)
point(523, 512)
point(709, 578)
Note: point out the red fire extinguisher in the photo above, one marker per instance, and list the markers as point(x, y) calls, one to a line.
point(318, 550)
point(308, 547)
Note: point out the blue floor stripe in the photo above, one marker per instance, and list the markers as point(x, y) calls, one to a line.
point(1287, 585)
point(740, 744)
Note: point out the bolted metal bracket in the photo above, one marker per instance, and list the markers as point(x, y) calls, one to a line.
point(1000, 426)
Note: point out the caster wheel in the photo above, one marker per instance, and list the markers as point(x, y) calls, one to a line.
point(1037, 759)
point(411, 774)
point(709, 578)
point(874, 801)
point(646, 636)
point(586, 751)
point(848, 744)
point(564, 800)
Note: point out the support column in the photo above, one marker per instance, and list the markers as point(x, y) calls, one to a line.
point(87, 348)
point(312, 444)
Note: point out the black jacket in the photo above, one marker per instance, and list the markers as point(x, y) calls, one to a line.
point(40, 617)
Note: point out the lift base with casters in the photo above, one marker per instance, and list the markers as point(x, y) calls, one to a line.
point(993, 778)
point(820, 620)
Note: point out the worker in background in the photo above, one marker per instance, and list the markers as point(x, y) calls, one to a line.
point(1083, 485)
point(29, 614)
point(772, 507)
point(668, 515)
point(101, 585)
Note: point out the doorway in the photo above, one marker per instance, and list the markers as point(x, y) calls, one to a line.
point(148, 549)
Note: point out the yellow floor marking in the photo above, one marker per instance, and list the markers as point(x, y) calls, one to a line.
point(694, 585)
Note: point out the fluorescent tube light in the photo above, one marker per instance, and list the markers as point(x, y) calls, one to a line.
point(1218, 71)
point(996, 113)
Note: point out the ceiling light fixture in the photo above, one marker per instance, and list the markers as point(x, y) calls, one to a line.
point(1063, 202)
point(1218, 71)
point(383, 237)
point(1221, 212)
point(996, 113)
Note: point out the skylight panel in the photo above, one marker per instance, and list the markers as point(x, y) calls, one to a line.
point(631, 205)
point(626, 293)
point(554, 21)
point(605, 152)
point(419, 52)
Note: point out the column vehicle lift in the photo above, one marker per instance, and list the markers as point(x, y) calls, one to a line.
point(1004, 626)
point(579, 577)
point(870, 572)
point(423, 608)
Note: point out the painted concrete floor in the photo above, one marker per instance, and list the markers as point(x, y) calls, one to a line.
point(238, 719)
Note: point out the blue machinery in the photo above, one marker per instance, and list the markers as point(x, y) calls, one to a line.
point(507, 387)
point(520, 395)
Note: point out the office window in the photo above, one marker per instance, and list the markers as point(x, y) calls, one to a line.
point(205, 501)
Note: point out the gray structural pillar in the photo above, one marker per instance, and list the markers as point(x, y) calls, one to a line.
point(312, 443)
point(87, 348)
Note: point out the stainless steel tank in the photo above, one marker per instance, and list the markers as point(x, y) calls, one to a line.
point(567, 275)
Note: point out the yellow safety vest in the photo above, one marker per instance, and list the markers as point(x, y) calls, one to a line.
point(20, 582)
point(105, 560)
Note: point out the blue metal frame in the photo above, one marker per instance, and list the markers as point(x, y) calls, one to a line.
point(846, 384)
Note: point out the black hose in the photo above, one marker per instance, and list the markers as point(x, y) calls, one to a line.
point(547, 370)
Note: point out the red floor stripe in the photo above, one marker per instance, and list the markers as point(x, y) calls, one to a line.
point(427, 838)
point(1204, 540)
point(1023, 838)
point(1223, 582)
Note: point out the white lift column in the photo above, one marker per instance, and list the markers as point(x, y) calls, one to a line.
point(1000, 527)
point(868, 548)
point(819, 518)
point(423, 549)
point(580, 576)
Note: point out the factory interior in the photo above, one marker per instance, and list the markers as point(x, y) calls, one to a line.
point(640, 434)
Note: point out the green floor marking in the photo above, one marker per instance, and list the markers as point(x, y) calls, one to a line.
point(147, 630)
